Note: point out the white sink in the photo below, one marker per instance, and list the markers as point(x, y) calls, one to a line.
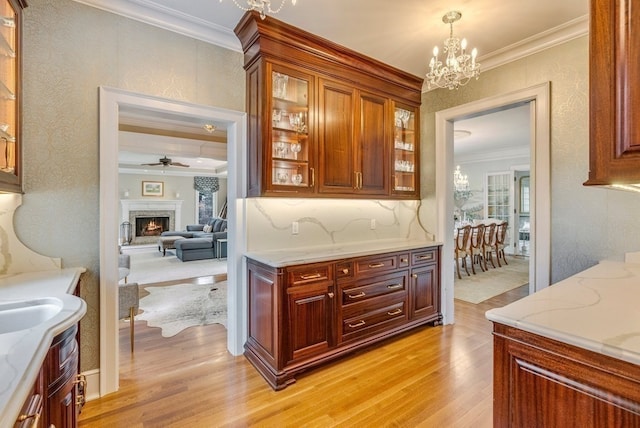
point(16, 316)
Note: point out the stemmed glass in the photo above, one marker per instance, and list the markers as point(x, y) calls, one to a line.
point(295, 149)
point(281, 148)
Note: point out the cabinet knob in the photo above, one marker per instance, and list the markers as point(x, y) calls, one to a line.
point(330, 295)
point(345, 271)
point(415, 275)
point(404, 260)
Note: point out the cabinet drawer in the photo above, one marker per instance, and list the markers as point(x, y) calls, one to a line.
point(371, 265)
point(403, 260)
point(361, 324)
point(423, 257)
point(308, 274)
point(387, 284)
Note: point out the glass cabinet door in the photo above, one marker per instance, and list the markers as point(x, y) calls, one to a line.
point(404, 159)
point(290, 144)
point(9, 110)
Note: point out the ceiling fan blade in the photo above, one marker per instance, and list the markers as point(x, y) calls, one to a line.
point(151, 164)
point(179, 164)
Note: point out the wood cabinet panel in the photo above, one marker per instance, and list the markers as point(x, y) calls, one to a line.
point(301, 316)
point(614, 155)
point(373, 145)
point(539, 382)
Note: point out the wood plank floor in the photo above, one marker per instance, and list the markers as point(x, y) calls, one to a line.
point(429, 377)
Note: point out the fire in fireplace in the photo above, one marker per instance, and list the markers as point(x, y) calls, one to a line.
point(151, 226)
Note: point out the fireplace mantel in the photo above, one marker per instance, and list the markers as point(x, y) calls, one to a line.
point(152, 205)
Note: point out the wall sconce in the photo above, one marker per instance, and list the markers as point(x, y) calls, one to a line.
point(126, 193)
point(177, 195)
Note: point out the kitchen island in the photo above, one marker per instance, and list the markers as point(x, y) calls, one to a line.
point(36, 309)
point(569, 355)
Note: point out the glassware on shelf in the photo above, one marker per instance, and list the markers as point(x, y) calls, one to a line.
point(282, 177)
point(296, 179)
point(280, 85)
point(297, 122)
point(295, 149)
point(276, 116)
point(281, 149)
point(402, 118)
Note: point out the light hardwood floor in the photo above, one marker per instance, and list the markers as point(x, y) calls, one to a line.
point(429, 377)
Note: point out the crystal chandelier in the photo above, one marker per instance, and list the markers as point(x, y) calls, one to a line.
point(457, 70)
point(461, 192)
point(262, 6)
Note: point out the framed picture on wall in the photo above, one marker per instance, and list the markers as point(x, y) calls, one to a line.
point(152, 188)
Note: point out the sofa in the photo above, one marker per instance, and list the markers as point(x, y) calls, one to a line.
point(201, 240)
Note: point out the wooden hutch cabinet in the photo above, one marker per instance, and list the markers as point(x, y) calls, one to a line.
point(10, 94)
point(306, 314)
point(614, 156)
point(325, 121)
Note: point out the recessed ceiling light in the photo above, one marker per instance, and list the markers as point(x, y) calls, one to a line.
point(209, 128)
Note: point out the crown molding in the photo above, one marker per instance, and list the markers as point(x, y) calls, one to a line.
point(547, 39)
point(168, 19)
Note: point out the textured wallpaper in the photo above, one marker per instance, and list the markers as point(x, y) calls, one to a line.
point(69, 51)
point(587, 224)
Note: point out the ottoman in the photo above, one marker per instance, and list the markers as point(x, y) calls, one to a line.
point(167, 243)
point(194, 249)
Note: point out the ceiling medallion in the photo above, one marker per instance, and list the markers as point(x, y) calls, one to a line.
point(457, 70)
point(262, 6)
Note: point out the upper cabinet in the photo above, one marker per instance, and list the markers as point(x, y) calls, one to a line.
point(10, 66)
point(325, 121)
point(614, 156)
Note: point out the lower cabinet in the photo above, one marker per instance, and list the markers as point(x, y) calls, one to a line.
point(539, 382)
point(55, 401)
point(304, 315)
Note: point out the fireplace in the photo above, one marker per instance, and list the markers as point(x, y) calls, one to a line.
point(151, 226)
point(165, 215)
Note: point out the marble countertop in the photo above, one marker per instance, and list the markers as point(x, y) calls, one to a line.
point(323, 253)
point(22, 352)
point(597, 310)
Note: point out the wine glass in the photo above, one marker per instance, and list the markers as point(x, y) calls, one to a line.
point(295, 149)
point(276, 116)
point(281, 148)
point(282, 177)
point(296, 179)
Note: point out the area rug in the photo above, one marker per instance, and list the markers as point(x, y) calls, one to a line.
point(149, 266)
point(177, 307)
point(485, 285)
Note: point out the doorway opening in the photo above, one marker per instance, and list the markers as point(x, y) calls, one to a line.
point(540, 249)
point(111, 101)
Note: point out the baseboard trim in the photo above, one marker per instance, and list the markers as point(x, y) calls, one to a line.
point(93, 384)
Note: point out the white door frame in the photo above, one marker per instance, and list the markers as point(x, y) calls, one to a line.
point(540, 252)
point(110, 102)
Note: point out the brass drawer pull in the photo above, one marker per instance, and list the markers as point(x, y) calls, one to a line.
point(394, 286)
point(395, 312)
point(403, 260)
point(345, 271)
point(376, 265)
point(330, 295)
point(35, 407)
point(311, 276)
point(427, 257)
point(357, 296)
point(358, 324)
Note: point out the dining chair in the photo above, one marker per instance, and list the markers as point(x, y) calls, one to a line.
point(490, 242)
point(476, 247)
point(463, 234)
point(501, 233)
point(129, 302)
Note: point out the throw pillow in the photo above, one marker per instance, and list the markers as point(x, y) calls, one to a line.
point(207, 228)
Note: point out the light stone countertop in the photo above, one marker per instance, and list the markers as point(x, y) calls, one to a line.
point(23, 352)
point(597, 309)
point(323, 253)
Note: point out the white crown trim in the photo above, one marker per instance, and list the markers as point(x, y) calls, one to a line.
point(151, 13)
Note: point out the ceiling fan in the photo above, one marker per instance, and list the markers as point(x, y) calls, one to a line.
point(165, 161)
